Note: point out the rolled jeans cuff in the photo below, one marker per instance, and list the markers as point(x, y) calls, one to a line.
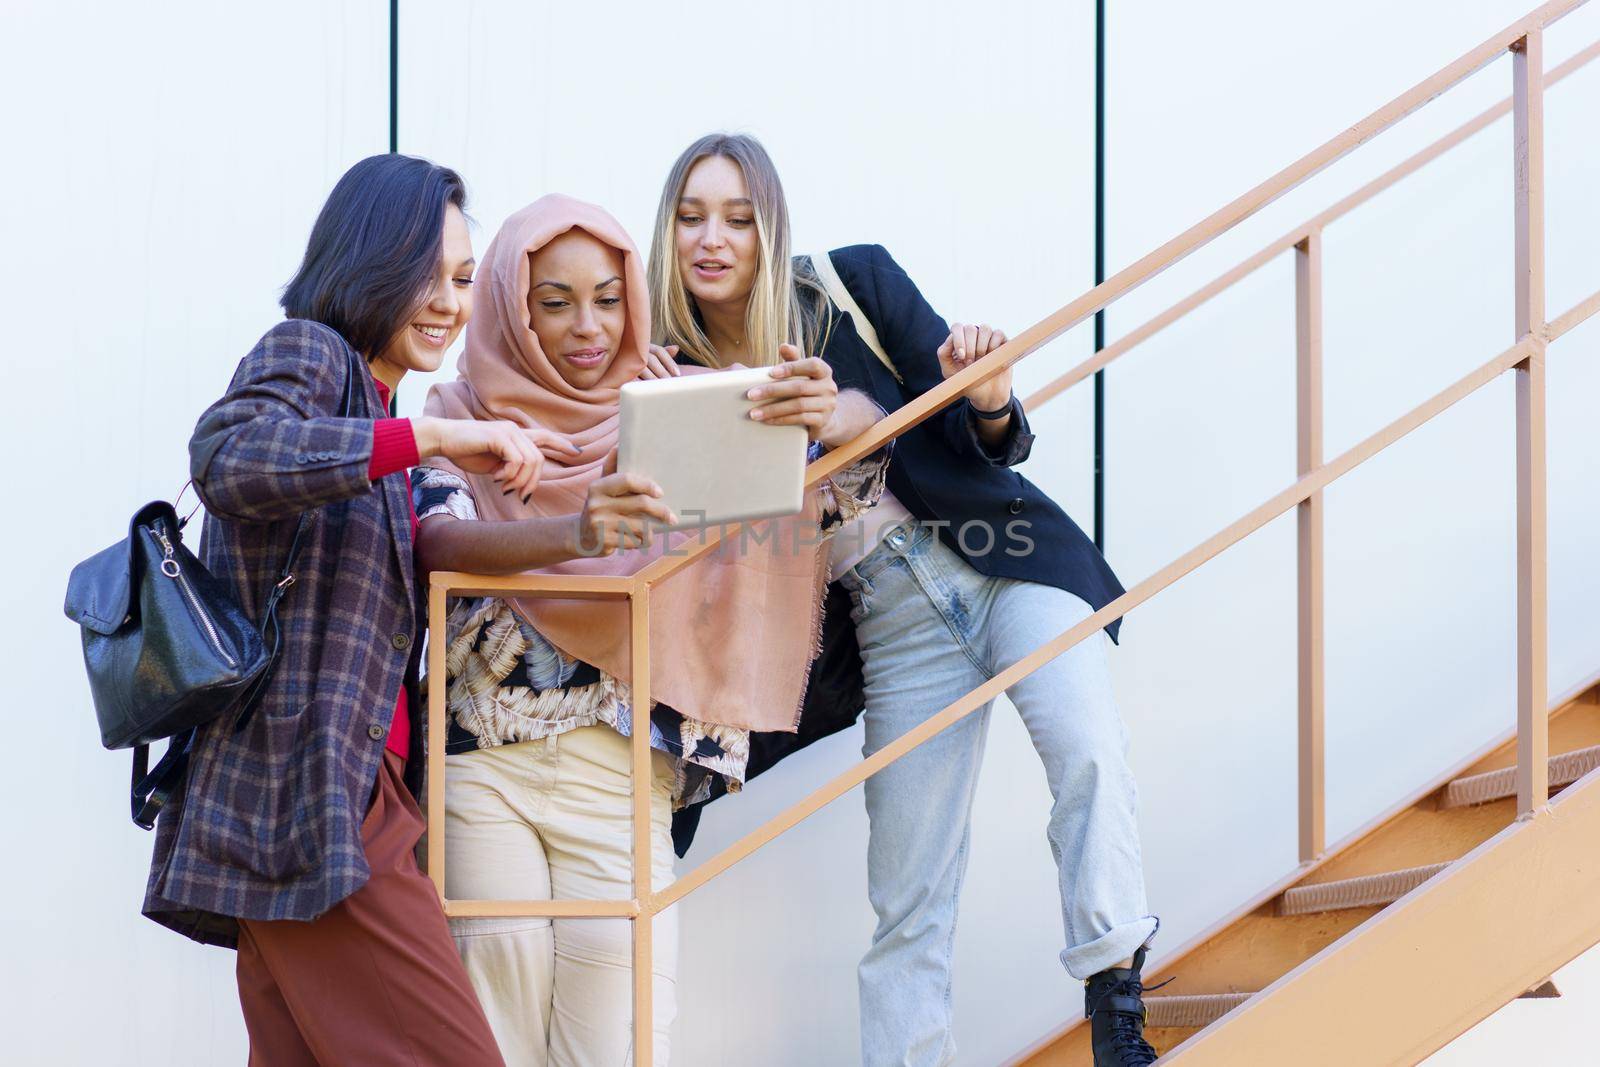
point(1109, 949)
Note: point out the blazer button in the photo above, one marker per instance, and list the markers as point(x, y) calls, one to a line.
point(401, 641)
point(1016, 506)
point(301, 457)
point(375, 732)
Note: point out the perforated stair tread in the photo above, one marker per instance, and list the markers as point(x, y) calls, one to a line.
point(1197, 1010)
point(1565, 769)
point(1360, 892)
point(1191, 1011)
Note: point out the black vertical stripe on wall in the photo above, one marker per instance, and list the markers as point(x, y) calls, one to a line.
point(394, 75)
point(1099, 270)
point(394, 120)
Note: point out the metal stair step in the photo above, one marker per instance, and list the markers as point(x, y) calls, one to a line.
point(1565, 769)
point(1386, 888)
point(1194, 1011)
point(1361, 892)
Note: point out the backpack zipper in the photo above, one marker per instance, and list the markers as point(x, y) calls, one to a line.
point(169, 567)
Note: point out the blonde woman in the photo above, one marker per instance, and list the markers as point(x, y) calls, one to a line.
point(962, 569)
point(538, 782)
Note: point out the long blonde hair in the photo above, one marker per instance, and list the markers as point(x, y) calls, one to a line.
point(786, 300)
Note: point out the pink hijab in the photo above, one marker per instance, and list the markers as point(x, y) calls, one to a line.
point(732, 635)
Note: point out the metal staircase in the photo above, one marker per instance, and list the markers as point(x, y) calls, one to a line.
point(1479, 882)
point(1397, 858)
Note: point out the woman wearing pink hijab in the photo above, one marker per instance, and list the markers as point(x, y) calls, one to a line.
point(538, 690)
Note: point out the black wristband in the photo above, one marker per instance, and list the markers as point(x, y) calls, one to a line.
point(991, 415)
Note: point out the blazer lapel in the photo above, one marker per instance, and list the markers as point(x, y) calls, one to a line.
point(395, 489)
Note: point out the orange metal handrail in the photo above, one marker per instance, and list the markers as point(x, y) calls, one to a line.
point(1231, 534)
point(1142, 333)
point(1526, 357)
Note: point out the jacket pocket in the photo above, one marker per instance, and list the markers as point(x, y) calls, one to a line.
point(256, 812)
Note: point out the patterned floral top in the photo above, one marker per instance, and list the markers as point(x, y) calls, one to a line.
point(508, 684)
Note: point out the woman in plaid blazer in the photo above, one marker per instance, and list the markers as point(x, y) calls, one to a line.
point(292, 837)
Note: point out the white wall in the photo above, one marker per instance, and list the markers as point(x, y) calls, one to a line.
point(175, 162)
point(163, 169)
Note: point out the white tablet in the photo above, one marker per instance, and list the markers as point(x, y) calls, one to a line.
point(694, 437)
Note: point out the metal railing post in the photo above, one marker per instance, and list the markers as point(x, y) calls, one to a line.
point(438, 594)
point(639, 747)
point(1533, 747)
point(1308, 457)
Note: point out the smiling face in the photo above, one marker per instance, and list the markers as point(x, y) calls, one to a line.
point(715, 238)
point(433, 327)
point(577, 306)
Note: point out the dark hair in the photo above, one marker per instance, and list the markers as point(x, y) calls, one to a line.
point(374, 249)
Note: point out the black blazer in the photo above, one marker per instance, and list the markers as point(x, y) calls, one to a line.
point(997, 520)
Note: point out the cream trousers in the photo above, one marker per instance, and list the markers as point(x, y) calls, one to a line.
point(549, 819)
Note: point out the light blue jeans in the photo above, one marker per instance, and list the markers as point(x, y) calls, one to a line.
point(931, 628)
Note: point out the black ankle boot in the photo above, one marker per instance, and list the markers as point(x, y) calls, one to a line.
point(1113, 1002)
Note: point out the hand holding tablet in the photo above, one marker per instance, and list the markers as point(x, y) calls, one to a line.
point(802, 393)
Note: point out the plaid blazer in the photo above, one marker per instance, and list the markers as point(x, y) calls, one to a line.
point(268, 822)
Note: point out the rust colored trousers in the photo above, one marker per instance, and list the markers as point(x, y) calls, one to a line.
point(376, 979)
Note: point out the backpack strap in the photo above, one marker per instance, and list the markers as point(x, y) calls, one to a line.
point(822, 263)
point(151, 789)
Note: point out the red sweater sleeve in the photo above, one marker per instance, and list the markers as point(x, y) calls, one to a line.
point(394, 447)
